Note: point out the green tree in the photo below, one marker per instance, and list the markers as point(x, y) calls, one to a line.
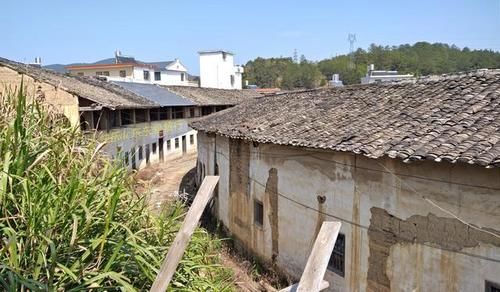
point(421, 58)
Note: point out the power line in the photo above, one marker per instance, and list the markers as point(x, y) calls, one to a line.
point(347, 221)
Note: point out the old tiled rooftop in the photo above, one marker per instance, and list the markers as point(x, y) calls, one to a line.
point(213, 96)
point(454, 118)
point(100, 92)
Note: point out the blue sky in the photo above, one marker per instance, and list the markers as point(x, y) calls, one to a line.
point(85, 31)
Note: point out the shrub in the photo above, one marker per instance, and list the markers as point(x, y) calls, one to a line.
point(69, 219)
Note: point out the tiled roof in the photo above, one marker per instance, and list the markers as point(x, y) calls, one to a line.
point(213, 96)
point(103, 93)
point(155, 93)
point(454, 118)
point(119, 61)
point(161, 65)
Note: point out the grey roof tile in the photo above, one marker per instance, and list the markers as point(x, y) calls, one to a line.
point(213, 96)
point(453, 118)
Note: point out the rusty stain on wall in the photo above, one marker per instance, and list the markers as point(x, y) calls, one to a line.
point(386, 230)
point(239, 197)
point(355, 242)
point(272, 195)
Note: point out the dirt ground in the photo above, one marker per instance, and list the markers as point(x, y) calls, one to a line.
point(169, 180)
point(174, 179)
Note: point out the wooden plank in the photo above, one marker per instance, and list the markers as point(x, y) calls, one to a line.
point(182, 238)
point(293, 288)
point(316, 266)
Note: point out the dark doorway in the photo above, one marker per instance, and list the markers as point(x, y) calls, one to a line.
point(184, 145)
point(160, 145)
point(160, 148)
point(132, 154)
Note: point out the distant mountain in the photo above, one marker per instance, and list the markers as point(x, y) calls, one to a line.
point(60, 67)
point(56, 67)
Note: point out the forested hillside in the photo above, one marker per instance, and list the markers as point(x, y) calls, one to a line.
point(422, 58)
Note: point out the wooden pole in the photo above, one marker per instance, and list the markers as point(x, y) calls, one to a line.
point(316, 266)
point(182, 238)
point(314, 272)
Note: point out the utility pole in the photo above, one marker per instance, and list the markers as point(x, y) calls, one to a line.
point(352, 39)
point(295, 56)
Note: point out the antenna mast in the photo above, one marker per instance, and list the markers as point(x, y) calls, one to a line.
point(352, 39)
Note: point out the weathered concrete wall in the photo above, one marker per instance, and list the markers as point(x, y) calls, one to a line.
point(60, 100)
point(396, 240)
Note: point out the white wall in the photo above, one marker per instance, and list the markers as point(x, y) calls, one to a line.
point(131, 137)
point(136, 74)
point(215, 72)
point(173, 78)
point(352, 185)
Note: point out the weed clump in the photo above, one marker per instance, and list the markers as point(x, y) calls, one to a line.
point(70, 220)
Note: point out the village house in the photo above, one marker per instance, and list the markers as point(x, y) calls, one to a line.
point(217, 70)
point(377, 76)
point(127, 69)
point(140, 123)
point(411, 170)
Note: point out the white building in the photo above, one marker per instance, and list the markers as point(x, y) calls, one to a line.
point(217, 70)
point(375, 76)
point(336, 82)
point(127, 69)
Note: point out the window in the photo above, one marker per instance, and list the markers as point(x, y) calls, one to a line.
point(127, 116)
point(182, 77)
point(154, 114)
point(206, 110)
point(123, 73)
point(178, 113)
point(157, 76)
point(191, 112)
point(140, 116)
point(169, 145)
point(164, 113)
point(176, 143)
point(491, 287)
point(337, 259)
point(102, 73)
point(224, 55)
point(232, 80)
point(115, 118)
point(79, 73)
point(146, 74)
point(191, 139)
point(154, 148)
point(258, 213)
point(140, 153)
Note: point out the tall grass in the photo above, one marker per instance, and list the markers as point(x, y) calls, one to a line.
point(69, 219)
